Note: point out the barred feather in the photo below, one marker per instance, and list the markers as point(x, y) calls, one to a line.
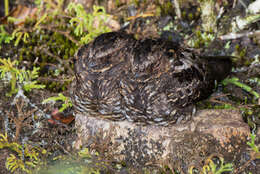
point(145, 81)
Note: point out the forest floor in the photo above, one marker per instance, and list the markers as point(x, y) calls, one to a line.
point(47, 34)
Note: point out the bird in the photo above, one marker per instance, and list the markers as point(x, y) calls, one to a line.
point(146, 81)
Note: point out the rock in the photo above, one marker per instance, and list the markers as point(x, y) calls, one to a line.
point(220, 132)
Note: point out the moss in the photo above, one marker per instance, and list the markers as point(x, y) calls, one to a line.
point(23, 157)
point(52, 42)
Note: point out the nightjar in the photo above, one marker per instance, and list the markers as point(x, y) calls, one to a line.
point(146, 81)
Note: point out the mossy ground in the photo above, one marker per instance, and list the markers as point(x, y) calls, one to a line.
point(52, 43)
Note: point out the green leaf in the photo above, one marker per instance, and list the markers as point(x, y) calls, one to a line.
point(235, 81)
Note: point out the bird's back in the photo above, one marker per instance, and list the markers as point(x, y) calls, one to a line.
point(146, 81)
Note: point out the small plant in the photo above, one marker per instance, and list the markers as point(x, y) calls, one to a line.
point(19, 34)
point(6, 7)
point(83, 22)
point(53, 35)
point(211, 168)
point(235, 81)
point(255, 154)
point(252, 144)
point(4, 36)
point(223, 106)
point(201, 39)
point(18, 77)
point(66, 101)
point(26, 157)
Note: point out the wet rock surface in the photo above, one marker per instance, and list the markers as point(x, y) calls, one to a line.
point(220, 132)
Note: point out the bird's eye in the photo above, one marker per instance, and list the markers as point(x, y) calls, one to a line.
point(92, 64)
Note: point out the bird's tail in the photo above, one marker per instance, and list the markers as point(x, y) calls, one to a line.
point(219, 66)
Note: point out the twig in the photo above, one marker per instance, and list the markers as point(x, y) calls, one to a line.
point(6, 7)
point(252, 158)
point(242, 3)
point(19, 121)
point(234, 4)
point(53, 79)
point(65, 33)
point(214, 99)
point(67, 152)
point(177, 8)
point(239, 35)
point(119, 9)
point(61, 61)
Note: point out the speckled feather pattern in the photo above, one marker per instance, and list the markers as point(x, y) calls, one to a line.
point(145, 81)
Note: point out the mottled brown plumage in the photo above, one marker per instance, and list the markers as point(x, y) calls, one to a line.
point(146, 81)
